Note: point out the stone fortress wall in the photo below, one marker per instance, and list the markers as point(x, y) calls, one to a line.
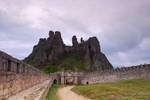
point(126, 73)
point(15, 75)
point(112, 75)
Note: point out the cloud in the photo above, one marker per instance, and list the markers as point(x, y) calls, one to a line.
point(121, 26)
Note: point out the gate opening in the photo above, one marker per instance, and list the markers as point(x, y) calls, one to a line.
point(87, 83)
point(55, 81)
point(69, 80)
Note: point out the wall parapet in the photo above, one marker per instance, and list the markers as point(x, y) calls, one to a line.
point(124, 73)
point(15, 75)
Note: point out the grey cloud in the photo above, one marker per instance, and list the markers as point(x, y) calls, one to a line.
point(121, 26)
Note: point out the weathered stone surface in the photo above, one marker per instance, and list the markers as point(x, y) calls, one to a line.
point(74, 41)
point(82, 41)
point(96, 60)
point(53, 48)
point(15, 75)
point(57, 48)
point(12, 81)
point(118, 74)
point(51, 34)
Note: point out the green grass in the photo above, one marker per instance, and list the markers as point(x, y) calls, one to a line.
point(123, 90)
point(52, 92)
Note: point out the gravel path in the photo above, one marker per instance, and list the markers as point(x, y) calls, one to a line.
point(33, 93)
point(66, 94)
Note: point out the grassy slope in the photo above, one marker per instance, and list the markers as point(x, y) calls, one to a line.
point(52, 92)
point(123, 90)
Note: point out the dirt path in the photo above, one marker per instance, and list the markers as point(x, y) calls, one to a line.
point(66, 94)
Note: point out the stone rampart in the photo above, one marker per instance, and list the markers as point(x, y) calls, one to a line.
point(15, 75)
point(126, 73)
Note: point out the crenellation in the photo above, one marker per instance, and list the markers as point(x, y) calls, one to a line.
point(16, 75)
point(125, 73)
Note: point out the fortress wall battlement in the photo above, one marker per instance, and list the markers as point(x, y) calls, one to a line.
point(15, 75)
point(118, 74)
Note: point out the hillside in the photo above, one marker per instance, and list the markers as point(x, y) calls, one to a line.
point(52, 54)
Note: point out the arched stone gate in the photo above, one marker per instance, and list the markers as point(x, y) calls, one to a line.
point(66, 77)
point(69, 77)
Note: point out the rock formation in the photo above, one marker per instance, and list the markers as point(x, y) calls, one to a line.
point(86, 55)
point(74, 41)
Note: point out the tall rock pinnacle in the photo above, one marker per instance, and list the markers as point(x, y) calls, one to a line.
point(51, 34)
point(74, 41)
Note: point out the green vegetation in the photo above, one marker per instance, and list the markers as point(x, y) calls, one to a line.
point(51, 68)
point(66, 63)
point(3, 98)
point(73, 60)
point(123, 90)
point(29, 59)
point(52, 92)
point(70, 61)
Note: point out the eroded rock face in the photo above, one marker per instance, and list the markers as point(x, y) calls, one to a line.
point(82, 41)
point(51, 35)
point(57, 47)
point(95, 59)
point(74, 41)
point(53, 48)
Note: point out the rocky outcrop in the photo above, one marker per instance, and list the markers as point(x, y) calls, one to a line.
point(56, 48)
point(94, 56)
point(82, 41)
point(74, 42)
point(53, 49)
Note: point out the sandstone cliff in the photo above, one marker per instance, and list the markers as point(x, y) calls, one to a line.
point(52, 52)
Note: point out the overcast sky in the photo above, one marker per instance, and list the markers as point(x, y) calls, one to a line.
point(122, 26)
